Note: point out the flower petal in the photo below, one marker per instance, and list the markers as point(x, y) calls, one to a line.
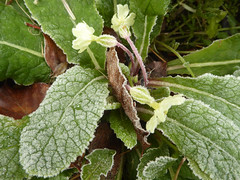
point(160, 114)
point(130, 19)
point(122, 11)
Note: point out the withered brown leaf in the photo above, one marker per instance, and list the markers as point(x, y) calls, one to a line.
point(18, 101)
point(118, 82)
point(54, 56)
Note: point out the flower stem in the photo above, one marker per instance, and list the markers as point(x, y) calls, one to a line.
point(139, 58)
point(179, 57)
point(124, 48)
point(93, 59)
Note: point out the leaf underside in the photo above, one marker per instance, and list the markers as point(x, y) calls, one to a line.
point(64, 124)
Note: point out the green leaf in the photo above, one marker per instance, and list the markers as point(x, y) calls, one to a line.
point(208, 139)
point(59, 28)
point(145, 23)
point(106, 10)
point(20, 58)
point(221, 93)
point(65, 175)
point(123, 128)
point(220, 58)
point(101, 161)
point(64, 124)
point(152, 7)
point(10, 131)
point(150, 156)
point(158, 167)
point(142, 29)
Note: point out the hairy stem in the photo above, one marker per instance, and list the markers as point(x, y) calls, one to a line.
point(124, 48)
point(139, 58)
point(93, 59)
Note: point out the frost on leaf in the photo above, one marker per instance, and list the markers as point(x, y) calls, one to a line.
point(209, 140)
point(158, 168)
point(101, 162)
point(149, 156)
point(65, 122)
point(10, 130)
point(118, 81)
point(123, 128)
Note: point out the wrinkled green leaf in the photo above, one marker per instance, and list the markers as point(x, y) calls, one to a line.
point(208, 139)
point(58, 23)
point(144, 25)
point(123, 128)
point(20, 58)
point(220, 58)
point(148, 157)
point(101, 161)
point(64, 124)
point(158, 167)
point(221, 93)
point(152, 7)
point(65, 175)
point(10, 131)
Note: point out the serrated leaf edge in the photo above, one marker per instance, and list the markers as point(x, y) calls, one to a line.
point(207, 139)
point(91, 162)
point(156, 159)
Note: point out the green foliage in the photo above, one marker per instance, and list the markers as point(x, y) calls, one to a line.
point(101, 161)
point(51, 143)
point(152, 7)
point(59, 28)
point(220, 58)
point(206, 137)
point(10, 131)
point(150, 157)
point(64, 124)
point(21, 60)
point(123, 128)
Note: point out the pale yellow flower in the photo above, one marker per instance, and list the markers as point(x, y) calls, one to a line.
point(142, 95)
point(160, 114)
point(84, 37)
point(121, 21)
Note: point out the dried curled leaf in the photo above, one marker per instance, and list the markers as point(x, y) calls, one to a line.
point(18, 101)
point(118, 81)
point(54, 56)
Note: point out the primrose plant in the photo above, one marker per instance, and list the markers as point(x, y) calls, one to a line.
point(99, 119)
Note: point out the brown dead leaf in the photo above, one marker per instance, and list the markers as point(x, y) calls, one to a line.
point(157, 69)
point(118, 82)
point(18, 101)
point(54, 56)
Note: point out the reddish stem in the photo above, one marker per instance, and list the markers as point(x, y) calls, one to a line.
point(139, 58)
point(33, 26)
point(124, 48)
